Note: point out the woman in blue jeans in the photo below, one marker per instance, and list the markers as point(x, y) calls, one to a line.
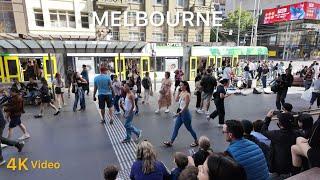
point(129, 106)
point(78, 84)
point(183, 115)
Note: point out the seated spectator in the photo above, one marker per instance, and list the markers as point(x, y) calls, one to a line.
point(111, 172)
point(307, 148)
point(222, 168)
point(204, 151)
point(245, 152)
point(257, 126)
point(189, 173)
point(147, 166)
point(181, 161)
point(248, 127)
point(20, 87)
point(287, 108)
point(32, 87)
point(281, 142)
point(305, 122)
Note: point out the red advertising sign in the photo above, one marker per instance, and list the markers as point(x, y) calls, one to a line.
point(304, 10)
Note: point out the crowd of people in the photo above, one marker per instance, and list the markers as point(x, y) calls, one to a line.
point(254, 152)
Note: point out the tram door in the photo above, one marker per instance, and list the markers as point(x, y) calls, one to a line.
point(193, 67)
point(12, 68)
point(120, 67)
point(144, 65)
point(47, 66)
point(219, 62)
point(235, 60)
point(2, 75)
point(211, 61)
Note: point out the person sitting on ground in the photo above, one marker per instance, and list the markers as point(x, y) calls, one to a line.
point(222, 168)
point(281, 142)
point(309, 148)
point(257, 126)
point(203, 152)
point(181, 161)
point(189, 173)
point(32, 88)
point(305, 122)
point(111, 172)
point(20, 87)
point(147, 166)
point(244, 152)
point(248, 127)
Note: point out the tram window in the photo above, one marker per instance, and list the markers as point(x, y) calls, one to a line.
point(13, 68)
point(193, 64)
point(49, 68)
point(145, 65)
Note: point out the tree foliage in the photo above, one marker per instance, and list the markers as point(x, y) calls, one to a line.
point(231, 23)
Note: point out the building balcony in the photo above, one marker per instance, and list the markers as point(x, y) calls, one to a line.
point(117, 4)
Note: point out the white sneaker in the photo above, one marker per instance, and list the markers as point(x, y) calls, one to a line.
point(3, 146)
point(207, 113)
point(208, 118)
point(25, 136)
point(199, 111)
point(167, 111)
point(2, 162)
point(220, 125)
point(157, 111)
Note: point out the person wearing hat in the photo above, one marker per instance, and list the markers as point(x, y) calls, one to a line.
point(281, 142)
point(103, 84)
point(219, 97)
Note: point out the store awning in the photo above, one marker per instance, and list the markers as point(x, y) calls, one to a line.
point(13, 43)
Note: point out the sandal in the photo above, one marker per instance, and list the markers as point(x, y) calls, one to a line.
point(167, 143)
point(125, 141)
point(194, 144)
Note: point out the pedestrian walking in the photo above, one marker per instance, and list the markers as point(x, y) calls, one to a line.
point(129, 107)
point(59, 85)
point(183, 115)
point(116, 86)
point(46, 99)
point(165, 94)
point(315, 93)
point(147, 85)
point(85, 75)
point(219, 97)
point(69, 79)
point(103, 84)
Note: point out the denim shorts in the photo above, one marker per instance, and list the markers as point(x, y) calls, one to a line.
point(105, 99)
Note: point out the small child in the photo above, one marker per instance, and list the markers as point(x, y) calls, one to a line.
point(110, 172)
point(181, 161)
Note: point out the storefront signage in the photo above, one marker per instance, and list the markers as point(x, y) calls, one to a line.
point(299, 11)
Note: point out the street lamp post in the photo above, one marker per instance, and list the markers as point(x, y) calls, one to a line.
point(238, 42)
point(253, 22)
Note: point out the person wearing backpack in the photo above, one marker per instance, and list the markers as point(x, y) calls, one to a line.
point(146, 83)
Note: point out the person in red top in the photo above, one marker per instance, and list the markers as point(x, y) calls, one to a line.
point(14, 108)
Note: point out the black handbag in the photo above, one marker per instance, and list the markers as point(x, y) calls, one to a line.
point(73, 89)
point(275, 87)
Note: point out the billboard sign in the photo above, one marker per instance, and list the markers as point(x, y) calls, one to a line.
point(299, 11)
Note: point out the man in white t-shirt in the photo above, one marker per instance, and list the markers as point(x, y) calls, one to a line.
point(227, 72)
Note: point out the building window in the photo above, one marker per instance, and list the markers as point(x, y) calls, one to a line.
point(84, 20)
point(159, 2)
point(159, 37)
point(64, 19)
point(136, 36)
point(38, 16)
point(115, 35)
point(180, 37)
point(199, 37)
point(157, 18)
point(136, 1)
point(201, 2)
point(182, 3)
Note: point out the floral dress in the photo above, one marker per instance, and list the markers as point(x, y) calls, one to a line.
point(165, 93)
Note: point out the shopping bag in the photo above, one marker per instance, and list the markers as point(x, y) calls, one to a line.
point(306, 95)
